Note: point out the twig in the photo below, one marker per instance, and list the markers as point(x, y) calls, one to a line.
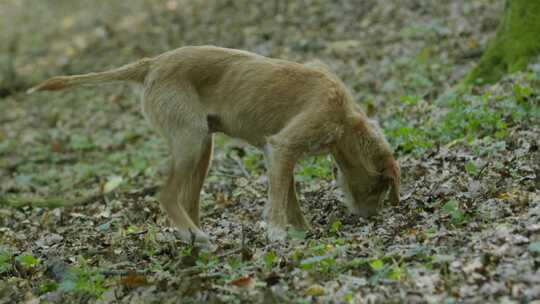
point(471, 54)
point(211, 275)
point(190, 270)
point(219, 172)
point(134, 233)
point(241, 165)
point(228, 253)
point(116, 272)
point(481, 172)
point(243, 242)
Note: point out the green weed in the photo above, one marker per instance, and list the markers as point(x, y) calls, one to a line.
point(313, 168)
point(452, 209)
point(83, 279)
point(5, 261)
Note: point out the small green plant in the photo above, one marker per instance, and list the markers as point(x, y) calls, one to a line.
point(206, 259)
point(5, 261)
point(456, 215)
point(379, 270)
point(407, 135)
point(334, 228)
point(235, 262)
point(297, 256)
point(150, 243)
point(396, 272)
point(252, 161)
point(382, 269)
point(410, 100)
point(357, 263)
point(324, 264)
point(270, 258)
point(27, 260)
point(131, 229)
point(83, 279)
point(48, 286)
point(348, 297)
point(322, 258)
point(316, 167)
point(81, 142)
point(522, 93)
point(471, 168)
point(377, 265)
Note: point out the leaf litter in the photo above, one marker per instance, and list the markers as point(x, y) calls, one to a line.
point(79, 169)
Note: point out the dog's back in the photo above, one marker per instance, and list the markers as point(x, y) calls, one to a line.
point(229, 84)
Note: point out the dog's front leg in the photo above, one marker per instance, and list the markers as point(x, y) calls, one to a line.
point(294, 213)
point(280, 163)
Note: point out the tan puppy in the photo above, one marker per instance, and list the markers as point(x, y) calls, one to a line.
point(287, 109)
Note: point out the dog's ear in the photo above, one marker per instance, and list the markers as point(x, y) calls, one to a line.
point(392, 175)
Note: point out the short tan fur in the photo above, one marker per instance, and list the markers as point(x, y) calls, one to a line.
point(288, 109)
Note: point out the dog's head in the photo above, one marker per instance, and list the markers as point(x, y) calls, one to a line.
point(364, 191)
point(367, 169)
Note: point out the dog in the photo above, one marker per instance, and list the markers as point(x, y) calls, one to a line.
point(289, 110)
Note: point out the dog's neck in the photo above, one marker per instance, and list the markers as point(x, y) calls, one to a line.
point(363, 143)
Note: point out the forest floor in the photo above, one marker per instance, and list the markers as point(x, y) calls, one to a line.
point(79, 222)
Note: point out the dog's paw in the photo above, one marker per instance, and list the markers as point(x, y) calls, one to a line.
point(276, 233)
point(195, 236)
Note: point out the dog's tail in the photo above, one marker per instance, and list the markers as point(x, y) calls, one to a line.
point(133, 72)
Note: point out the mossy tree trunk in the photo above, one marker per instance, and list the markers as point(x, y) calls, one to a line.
point(516, 42)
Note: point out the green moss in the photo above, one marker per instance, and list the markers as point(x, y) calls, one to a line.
point(515, 44)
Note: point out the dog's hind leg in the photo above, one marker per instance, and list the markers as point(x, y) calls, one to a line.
point(175, 113)
point(180, 196)
point(191, 200)
point(169, 199)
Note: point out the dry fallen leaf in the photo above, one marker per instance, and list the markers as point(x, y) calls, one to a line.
point(242, 282)
point(57, 147)
point(133, 280)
